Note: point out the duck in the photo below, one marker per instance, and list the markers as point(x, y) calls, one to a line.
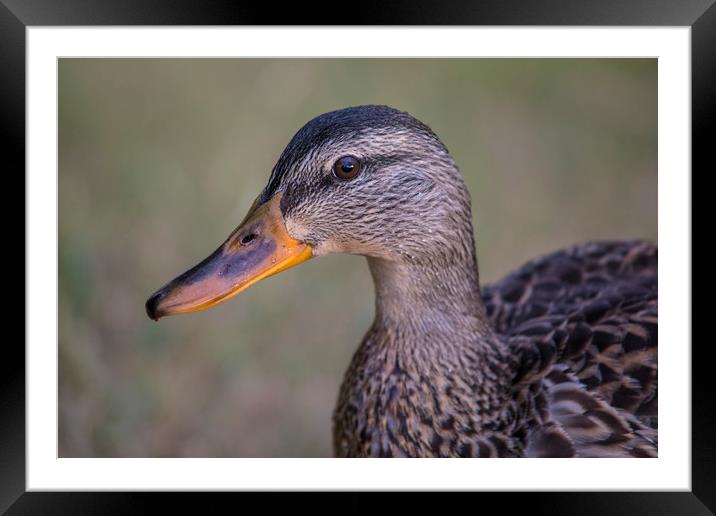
point(557, 359)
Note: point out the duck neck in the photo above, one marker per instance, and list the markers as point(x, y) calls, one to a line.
point(429, 297)
point(431, 318)
point(430, 361)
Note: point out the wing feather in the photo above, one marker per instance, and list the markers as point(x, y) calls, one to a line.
point(583, 324)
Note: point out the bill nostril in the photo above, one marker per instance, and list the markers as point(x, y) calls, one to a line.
point(247, 239)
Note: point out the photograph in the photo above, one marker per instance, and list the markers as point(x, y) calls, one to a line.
point(260, 243)
point(357, 257)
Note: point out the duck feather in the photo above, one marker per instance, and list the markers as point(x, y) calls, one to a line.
point(583, 326)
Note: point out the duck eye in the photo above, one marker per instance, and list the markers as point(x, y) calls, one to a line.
point(346, 167)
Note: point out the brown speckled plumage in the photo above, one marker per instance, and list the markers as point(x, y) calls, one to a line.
point(558, 359)
point(568, 368)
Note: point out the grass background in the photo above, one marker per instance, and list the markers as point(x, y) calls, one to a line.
point(159, 159)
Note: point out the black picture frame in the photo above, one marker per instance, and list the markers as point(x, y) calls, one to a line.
point(17, 15)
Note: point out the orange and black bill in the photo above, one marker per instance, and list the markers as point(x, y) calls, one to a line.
point(257, 249)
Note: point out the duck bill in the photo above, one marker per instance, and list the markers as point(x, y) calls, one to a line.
point(260, 247)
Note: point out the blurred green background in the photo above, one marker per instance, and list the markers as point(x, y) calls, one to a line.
point(159, 159)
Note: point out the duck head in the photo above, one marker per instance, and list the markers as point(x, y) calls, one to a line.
point(368, 180)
